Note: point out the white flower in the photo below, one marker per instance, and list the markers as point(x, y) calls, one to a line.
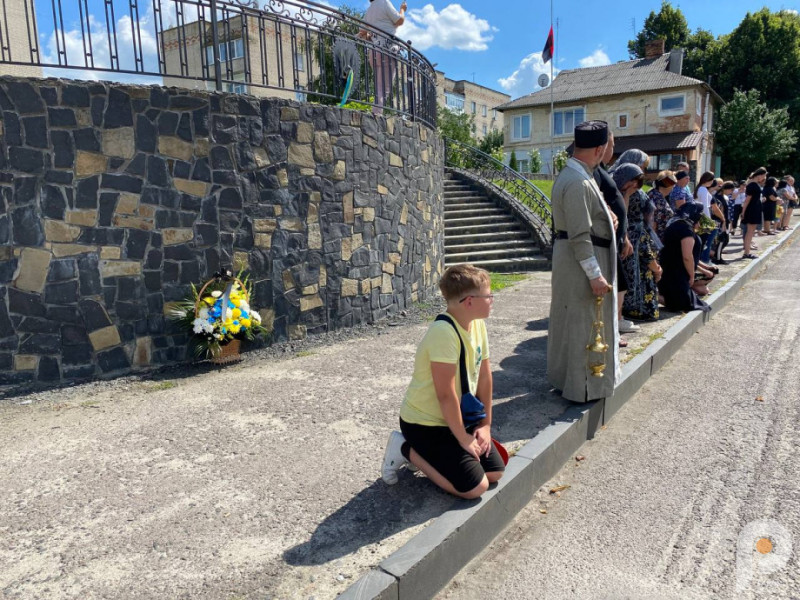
point(216, 294)
point(198, 325)
point(256, 317)
point(178, 313)
point(243, 305)
point(218, 336)
point(203, 314)
point(208, 327)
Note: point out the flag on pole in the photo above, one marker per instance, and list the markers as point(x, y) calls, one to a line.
point(547, 53)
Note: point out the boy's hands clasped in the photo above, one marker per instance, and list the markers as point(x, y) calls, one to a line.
point(479, 443)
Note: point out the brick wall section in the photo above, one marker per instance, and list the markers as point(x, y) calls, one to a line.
point(114, 199)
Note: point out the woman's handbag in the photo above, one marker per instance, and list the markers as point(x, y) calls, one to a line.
point(472, 409)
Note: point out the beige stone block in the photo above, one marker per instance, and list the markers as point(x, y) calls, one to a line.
point(267, 319)
point(390, 125)
point(395, 258)
point(263, 240)
point(143, 353)
point(404, 214)
point(315, 197)
point(355, 119)
point(138, 92)
point(84, 117)
point(289, 114)
point(261, 157)
point(174, 147)
point(313, 213)
point(119, 142)
point(310, 289)
point(89, 163)
point(283, 178)
point(1, 129)
point(61, 250)
point(292, 224)
point(314, 236)
point(310, 303)
point(339, 171)
point(202, 146)
point(358, 241)
point(88, 218)
point(347, 248)
point(297, 332)
point(382, 189)
point(427, 264)
point(414, 296)
point(59, 231)
point(277, 209)
point(423, 134)
point(241, 261)
point(386, 284)
point(322, 147)
point(302, 155)
point(323, 276)
point(305, 132)
point(105, 338)
point(369, 214)
point(370, 142)
point(6, 252)
point(359, 210)
point(33, 266)
point(347, 205)
point(110, 253)
point(395, 160)
point(424, 155)
point(288, 280)
point(147, 211)
point(25, 362)
point(119, 268)
point(388, 267)
point(133, 222)
point(349, 287)
point(177, 235)
point(306, 172)
point(194, 188)
point(376, 282)
point(127, 204)
point(366, 286)
point(401, 242)
point(265, 225)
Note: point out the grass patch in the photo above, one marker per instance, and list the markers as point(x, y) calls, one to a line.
point(303, 353)
point(90, 404)
point(546, 185)
point(158, 386)
point(503, 280)
point(637, 351)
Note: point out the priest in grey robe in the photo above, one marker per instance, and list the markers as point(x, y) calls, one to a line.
point(584, 266)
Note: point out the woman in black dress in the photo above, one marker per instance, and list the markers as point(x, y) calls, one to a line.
point(679, 260)
point(770, 205)
point(752, 212)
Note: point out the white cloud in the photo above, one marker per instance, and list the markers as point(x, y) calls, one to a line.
point(523, 80)
point(597, 59)
point(453, 28)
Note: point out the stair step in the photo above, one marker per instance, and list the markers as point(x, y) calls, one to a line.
point(487, 254)
point(480, 245)
point(500, 219)
point(516, 233)
point(475, 229)
point(462, 205)
point(464, 194)
point(473, 212)
point(536, 263)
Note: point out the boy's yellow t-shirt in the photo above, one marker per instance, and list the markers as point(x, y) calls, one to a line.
point(440, 344)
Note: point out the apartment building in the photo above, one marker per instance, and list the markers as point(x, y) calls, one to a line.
point(18, 33)
point(477, 100)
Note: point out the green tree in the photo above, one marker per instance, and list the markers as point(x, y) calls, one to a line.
point(560, 160)
point(750, 134)
point(458, 126)
point(491, 141)
point(512, 162)
point(668, 24)
point(535, 158)
point(702, 57)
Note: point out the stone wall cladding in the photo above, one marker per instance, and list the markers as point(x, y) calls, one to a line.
point(115, 199)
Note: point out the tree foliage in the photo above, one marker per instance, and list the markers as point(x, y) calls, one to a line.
point(458, 126)
point(491, 141)
point(512, 162)
point(535, 158)
point(668, 24)
point(750, 134)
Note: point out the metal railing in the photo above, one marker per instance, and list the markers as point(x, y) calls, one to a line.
point(273, 47)
point(494, 174)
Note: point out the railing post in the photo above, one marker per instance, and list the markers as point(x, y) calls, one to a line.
point(215, 41)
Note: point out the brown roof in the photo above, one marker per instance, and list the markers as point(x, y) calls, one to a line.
point(641, 75)
point(653, 143)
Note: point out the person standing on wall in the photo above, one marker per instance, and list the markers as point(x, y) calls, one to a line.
point(584, 267)
point(382, 56)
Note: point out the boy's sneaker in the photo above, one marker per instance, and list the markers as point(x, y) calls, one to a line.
point(393, 459)
point(626, 326)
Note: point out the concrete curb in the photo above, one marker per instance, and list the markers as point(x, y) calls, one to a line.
point(426, 563)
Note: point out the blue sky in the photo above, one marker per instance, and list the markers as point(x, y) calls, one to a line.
point(499, 42)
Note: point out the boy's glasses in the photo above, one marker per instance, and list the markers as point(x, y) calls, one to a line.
point(490, 296)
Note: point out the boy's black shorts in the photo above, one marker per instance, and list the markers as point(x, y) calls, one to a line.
point(440, 448)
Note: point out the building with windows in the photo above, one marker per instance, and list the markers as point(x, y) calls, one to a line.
point(647, 103)
point(476, 100)
point(18, 41)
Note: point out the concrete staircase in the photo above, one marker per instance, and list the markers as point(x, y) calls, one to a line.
point(480, 232)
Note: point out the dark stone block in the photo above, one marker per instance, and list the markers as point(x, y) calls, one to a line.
point(175, 293)
point(62, 292)
point(113, 360)
point(152, 279)
point(48, 369)
point(108, 203)
point(139, 105)
point(201, 171)
point(187, 219)
point(75, 95)
point(167, 198)
point(101, 236)
point(49, 95)
point(94, 315)
point(140, 327)
point(35, 131)
point(129, 288)
point(154, 258)
point(109, 294)
point(38, 325)
point(26, 226)
point(221, 158)
point(87, 192)
point(24, 97)
point(208, 212)
point(137, 244)
point(186, 102)
point(130, 311)
point(167, 218)
point(6, 326)
point(63, 151)
point(159, 97)
point(179, 252)
point(12, 129)
point(146, 135)
point(89, 269)
point(118, 113)
point(9, 343)
point(229, 221)
point(223, 129)
point(191, 204)
point(137, 164)
point(200, 119)
point(167, 123)
point(230, 198)
point(61, 177)
point(121, 182)
point(40, 343)
point(155, 239)
point(185, 128)
point(206, 234)
point(6, 361)
point(7, 267)
point(73, 335)
point(62, 269)
point(87, 139)
point(26, 160)
point(61, 117)
point(276, 149)
point(190, 272)
point(212, 262)
point(115, 162)
point(157, 324)
point(25, 190)
point(244, 156)
point(54, 204)
point(80, 373)
point(157, 173)
point(182, 169)
point(225, 177)
point(17, 377)
point(155, 303)
point(64, 314)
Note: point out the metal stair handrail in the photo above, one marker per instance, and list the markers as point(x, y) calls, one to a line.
point(494, 174)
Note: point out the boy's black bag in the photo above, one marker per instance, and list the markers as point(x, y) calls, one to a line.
point(472, 409)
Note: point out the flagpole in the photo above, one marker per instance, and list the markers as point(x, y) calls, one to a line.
point(552, 114)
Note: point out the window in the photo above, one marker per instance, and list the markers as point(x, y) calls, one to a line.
point(484, 109)
point(699, 104)
point(485, 130)
point(299, 61)
point(622, 121)
point(494, 113)
point(227, 51)
point(564, 121)
point(523, 166)
point(237, 88)
point(521, 127)
point(474, 107)
point(662, 162)
point(671, 105)
point(300, 96)
point(454, 102)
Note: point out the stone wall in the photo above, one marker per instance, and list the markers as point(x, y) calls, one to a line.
point(114, 199)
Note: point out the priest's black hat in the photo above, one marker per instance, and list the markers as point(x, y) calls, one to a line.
point(591, 134)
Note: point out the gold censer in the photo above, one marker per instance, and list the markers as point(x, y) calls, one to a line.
point(597, 344)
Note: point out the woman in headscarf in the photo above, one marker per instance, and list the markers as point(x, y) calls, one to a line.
point(680, 260)
point(642, 270)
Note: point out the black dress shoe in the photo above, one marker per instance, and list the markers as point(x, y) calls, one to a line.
point(721, 261)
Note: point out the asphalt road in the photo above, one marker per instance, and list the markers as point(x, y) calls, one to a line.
point(692, 490)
